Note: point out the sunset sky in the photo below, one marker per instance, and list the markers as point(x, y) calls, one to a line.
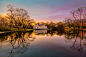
point(44, 10)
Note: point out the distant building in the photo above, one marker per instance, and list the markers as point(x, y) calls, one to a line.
point(39, 26)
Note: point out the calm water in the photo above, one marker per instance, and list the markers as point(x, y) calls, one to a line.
point(43, 43)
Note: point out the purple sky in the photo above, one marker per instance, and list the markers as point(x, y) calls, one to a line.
point(44, 10)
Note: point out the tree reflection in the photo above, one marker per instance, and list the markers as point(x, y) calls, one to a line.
point(77, 40)
point(54, 32)
point(19, 41)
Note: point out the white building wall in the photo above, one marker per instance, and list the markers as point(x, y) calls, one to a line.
point(39, 27)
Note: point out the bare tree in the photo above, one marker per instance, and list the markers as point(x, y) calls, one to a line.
point(84, 15)
point(17, 16)
point(11, 14)
point(73, 14)
point(22, 15)
point(78, 14)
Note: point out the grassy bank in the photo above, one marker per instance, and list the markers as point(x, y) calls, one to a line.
point(8, 29)
point(12, 29)
point(72, 29)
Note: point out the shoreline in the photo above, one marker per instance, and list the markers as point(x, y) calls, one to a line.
point(13, 31)
point(70, 29)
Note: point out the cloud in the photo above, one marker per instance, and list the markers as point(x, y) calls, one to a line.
point(52, 10)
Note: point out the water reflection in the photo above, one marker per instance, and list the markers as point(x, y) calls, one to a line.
point(38, 32)
point(78, 40)
point(19, 42)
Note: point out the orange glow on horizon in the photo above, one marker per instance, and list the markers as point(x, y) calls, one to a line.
point(3, 14)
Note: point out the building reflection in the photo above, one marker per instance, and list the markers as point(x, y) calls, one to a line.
point(40, 32)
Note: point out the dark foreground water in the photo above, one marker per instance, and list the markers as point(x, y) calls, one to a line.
point(43, 43)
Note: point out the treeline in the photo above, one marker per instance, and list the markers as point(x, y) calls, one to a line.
point(16, 18)
point(53, 25)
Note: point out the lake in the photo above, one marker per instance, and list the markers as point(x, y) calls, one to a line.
point(43, 43)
